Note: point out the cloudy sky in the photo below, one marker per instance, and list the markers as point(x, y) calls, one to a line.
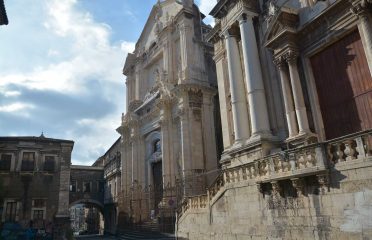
point(60, 69)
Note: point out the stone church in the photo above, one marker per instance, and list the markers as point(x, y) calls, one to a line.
point(169, 147)
point(295, 93)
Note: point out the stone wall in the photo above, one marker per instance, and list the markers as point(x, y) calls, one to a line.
point(241, 211)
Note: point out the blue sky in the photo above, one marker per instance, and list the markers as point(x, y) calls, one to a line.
point(60, 69)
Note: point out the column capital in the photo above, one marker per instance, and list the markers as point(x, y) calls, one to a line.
point(229, 33)
point(280, 62)
point(291, 56)
point(243, 18)
point(362, 9)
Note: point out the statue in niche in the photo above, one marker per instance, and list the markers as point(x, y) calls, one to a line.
point(156, 155)
point(157, 146)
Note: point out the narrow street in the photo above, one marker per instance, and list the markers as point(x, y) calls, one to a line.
point(130, 236)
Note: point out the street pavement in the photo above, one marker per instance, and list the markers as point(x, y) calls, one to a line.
point(133, 235)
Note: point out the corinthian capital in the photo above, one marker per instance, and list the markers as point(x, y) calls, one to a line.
point(279, 62)
point(291, 56)
point(362, 8)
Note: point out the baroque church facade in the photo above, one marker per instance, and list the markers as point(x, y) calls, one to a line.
point(168, 133)
point(295, 92)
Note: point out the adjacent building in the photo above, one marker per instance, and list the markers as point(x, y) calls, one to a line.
point(295, 90)
point(34, 179)
point(111, 161)
point(169, 131)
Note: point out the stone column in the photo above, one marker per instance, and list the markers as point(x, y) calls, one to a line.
point(288, 98)
point(363, 11)
point(238, 98)
point(255, 88)
point(298, 95)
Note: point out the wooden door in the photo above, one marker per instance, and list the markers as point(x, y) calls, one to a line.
point(344, 86)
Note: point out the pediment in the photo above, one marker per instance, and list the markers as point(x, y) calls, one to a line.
point(161, 14)
point(282, 25)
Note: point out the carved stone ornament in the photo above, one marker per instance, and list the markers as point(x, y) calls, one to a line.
point(362, 9)
point(298, 184)
point(323, 181)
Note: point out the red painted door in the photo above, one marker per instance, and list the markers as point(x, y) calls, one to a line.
point(344, 86)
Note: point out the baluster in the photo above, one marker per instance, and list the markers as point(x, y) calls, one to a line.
point(311, 161)
point(360, 147)
point(330, 153)
point(292, 161)
point(349, 150)
point(340, 152)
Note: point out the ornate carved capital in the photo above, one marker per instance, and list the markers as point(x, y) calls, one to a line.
point(298, 184)
point(276, 188)
point(323, 181)
point(362, 9)
point(291, 56)
point(279, 62)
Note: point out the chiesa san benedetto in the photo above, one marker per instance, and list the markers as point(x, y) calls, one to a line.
point(256, 128)
point(169, 148)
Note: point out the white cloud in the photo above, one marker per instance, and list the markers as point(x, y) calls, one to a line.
point(12, 93)
point(15, 107)
point(74, 51)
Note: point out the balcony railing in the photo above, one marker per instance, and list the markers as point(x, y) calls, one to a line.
point(314, 159)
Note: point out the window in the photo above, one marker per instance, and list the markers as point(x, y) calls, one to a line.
point(28, 161)
point(39, 203)
point(87, 187)
point(38, 212)
point(49, 164)
point(11, 211)
point(73, 186)
point(5, 162)
point(38, 215)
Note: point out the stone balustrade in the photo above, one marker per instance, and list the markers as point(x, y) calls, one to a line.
point(293, 164)
point(349, 148)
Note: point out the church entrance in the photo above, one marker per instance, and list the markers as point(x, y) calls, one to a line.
point(344, 87)
point(157, 173)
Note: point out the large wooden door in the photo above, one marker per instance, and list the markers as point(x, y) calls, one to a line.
point(158, 183)
point(344, 86)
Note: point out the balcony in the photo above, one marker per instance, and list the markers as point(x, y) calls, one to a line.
point(350, 151)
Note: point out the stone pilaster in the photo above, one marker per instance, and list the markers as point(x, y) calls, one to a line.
point(186, 47)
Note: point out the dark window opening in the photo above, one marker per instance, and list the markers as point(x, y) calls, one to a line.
point(49, 164)
point(87, 187)
point(10, 211)
point(5, 162)
point(38, 214)
point(73, 186)
point(28, 161)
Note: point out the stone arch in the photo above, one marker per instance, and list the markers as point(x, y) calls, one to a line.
point(88, 201)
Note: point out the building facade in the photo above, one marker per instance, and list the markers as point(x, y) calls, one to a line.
point(34, 174)
point(168, 133)
point(294, 82)
point(111, 161)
